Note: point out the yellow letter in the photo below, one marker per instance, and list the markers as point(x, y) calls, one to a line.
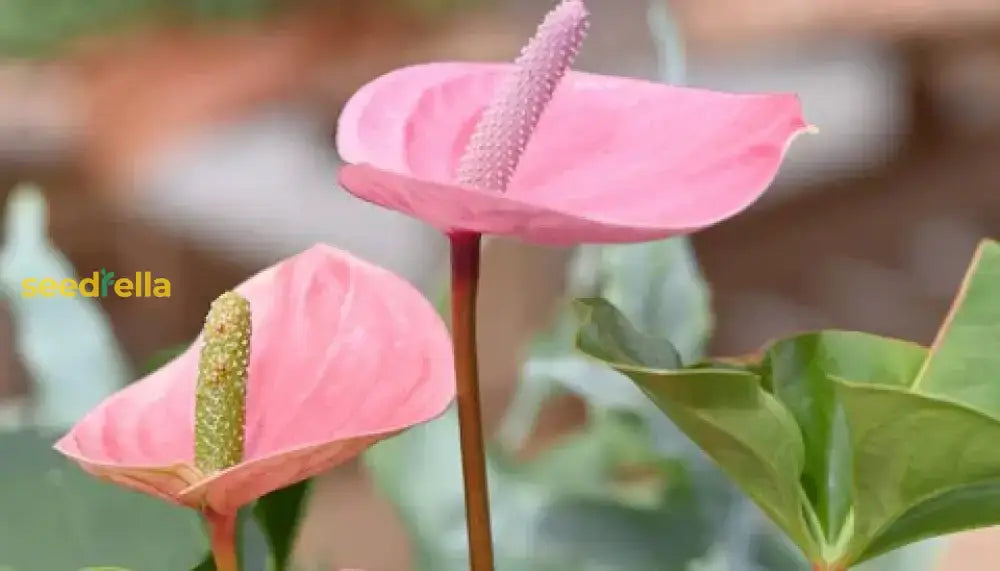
point(161, 287)
point(68, 288)
point(123, 288)
point(29, 287)
point(47, 287)
point(89, 286)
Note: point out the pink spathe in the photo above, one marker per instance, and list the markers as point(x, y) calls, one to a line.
point(611, 160)
point(343, 354)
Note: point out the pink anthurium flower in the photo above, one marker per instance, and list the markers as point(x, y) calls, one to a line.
point(342, 354)
point(538, 152)
point(583, 158)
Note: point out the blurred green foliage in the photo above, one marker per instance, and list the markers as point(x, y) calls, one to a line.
point(52, 514)
point(44, 28)
point(55, 516)
point(66, 344)
point(278, 516)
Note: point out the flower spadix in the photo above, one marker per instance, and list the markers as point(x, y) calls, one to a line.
point(221, 391)
point(341, 354)
point(547, 155)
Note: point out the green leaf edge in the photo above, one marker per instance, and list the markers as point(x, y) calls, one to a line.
point(870, 548)
point(811, 546)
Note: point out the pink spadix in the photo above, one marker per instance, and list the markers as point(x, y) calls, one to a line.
point(507, 123)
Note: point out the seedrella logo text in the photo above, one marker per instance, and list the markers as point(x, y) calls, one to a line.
point(99, 284)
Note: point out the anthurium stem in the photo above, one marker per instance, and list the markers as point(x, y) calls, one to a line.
point(222, 533)
point(824, 566)
point(465, 250)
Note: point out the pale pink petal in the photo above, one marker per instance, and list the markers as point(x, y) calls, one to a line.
point(452, 207)
point(612, 160)
point(417, 119)
point(342, 354)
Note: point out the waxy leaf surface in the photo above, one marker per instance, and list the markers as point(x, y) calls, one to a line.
point(898, 442)
point(726, 412)
point(926, 460)
point(800, 371)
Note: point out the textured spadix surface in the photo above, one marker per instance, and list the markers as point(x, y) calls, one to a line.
point(343, 353)
point(506, 124)
point(611, 160)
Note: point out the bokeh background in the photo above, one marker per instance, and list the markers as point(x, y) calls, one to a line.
point(203, 153)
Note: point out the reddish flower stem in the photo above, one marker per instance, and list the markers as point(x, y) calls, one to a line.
point(822, 566)
point(222, 532)
point(465, 250)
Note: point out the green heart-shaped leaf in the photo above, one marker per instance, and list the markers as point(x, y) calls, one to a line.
point(923, 467)
point(926, 461)
point(800, 372)
point(745, 429)
point(878, 442)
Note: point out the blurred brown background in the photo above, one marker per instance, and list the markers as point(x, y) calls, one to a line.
point(869, 227)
